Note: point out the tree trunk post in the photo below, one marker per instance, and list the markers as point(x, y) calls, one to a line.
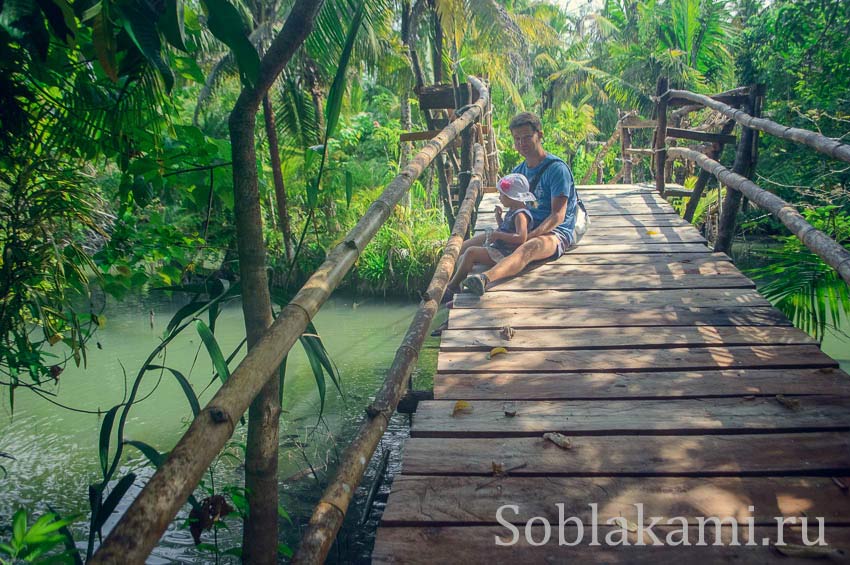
point(743, 167)
point(279, 187)
point(259, 538)
point(705, 176)
point(437, 51)
point(660, 134)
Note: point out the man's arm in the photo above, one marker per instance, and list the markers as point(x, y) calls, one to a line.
point(554, 219)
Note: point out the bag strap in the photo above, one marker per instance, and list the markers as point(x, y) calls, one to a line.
point(533, 184)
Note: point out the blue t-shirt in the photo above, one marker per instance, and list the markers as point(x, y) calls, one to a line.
point(557, 180)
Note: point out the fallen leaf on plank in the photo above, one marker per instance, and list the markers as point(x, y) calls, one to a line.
point(497, 351)
point(461, 406)
point(560, 440)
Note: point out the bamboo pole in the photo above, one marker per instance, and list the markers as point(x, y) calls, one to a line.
point(137, 532)
point(660, 133)
point(816, 141)
point(604, 150)
point(832, 253)
point(330, 512)
point(625, 145)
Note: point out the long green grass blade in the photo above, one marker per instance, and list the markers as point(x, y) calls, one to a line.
point(111, 502)
point(213, 350)
point(185, 385)
point(105, 435)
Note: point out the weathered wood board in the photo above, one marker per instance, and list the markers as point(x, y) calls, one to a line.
point(419, 500)
point(614, 316)
point(709, 297)
point(487, 418)
point(613, 338)
point(630, 385)
point(671, 359)
point(474, 545)
point(820, 453)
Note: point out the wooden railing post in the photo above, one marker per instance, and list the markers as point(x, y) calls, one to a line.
point(626, 144)
point(704, 176)
point(742, 166)
point(660, 146)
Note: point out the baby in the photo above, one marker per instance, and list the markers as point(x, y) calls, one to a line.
point(494, 245)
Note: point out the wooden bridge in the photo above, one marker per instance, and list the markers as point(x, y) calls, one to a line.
point(677, 385)
point(672, 383)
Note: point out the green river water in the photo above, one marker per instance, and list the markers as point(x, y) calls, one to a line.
point(56, 450)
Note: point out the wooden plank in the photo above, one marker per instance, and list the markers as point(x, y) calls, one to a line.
point(685, 234)
point(640, 195)
point(610, 456)
point(419, 135)
point(473, 545)
point(594, 248)
point(702, 265)
point(422, 500)
point(620, 221)
point(701, 136)
point(607, 222)
point(585, 317)
point(631, 359)
point(709, 297)
point(613, 338)
point(628, 235)
point(486, 418)
point(656, 384)
point(606, 208)
point(549, 280)
point(650, 260)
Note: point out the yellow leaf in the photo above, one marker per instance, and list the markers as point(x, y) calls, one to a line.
point(461, 406)
point(497, 351)
point(653, 232)
point(54, 339)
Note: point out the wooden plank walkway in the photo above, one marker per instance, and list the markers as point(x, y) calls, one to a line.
point(678, 385)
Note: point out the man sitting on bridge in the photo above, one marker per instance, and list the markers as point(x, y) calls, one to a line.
point(557, 209)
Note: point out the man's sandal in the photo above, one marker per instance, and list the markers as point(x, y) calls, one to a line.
point(476, 284)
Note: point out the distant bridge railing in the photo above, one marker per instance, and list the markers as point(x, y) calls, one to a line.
point(822, 245)
point(138, 531)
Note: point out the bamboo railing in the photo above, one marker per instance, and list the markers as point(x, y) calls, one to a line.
point(832, 253)
point(816, 141)
point(137, 532)
point(330, 511)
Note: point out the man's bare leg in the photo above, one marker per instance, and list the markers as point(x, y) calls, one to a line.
point(535, 249)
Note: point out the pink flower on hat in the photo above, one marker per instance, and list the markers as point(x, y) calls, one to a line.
point(515, 186)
